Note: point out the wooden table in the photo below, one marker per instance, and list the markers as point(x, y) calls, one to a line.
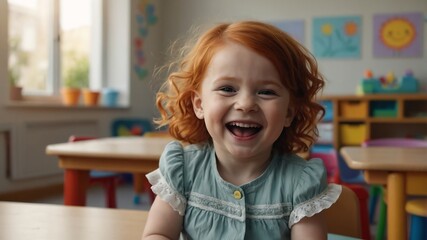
point(402, 170)
point(120, 154)
point(19, 221)
point(35, 221)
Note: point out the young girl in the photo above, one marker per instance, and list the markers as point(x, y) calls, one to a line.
point(241, 104)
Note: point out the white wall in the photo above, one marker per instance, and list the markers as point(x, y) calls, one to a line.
point(342, 74)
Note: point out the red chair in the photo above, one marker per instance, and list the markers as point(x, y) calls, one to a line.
point(108, 180)
point(330, 160)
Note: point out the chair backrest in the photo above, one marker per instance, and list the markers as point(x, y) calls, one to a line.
point(343, 217)
point(74, 138)
point(395, 142)
point(130, 126)
point(330, 161)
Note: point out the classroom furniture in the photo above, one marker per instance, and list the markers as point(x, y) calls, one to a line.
point(379, 192)
point(417, 209)
point(35, 221)
point(330, 160)
point(356, 118)
point(346, 209)
point(134, 127)
point(108, 180)
point(402, 170)
point(23, 221)
point(120, 154)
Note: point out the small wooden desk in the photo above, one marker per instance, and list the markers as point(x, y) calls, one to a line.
point(19, 221)
point(402, 170)
point(120, 154)
point(35, 221)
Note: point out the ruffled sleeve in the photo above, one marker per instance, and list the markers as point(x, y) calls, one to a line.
point(167, 180)
point(312, 194)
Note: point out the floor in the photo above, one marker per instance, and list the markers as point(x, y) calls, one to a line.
point(96, 198)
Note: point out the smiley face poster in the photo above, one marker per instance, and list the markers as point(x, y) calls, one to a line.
point(398, 35)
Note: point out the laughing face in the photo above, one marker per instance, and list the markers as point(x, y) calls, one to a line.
point(243, 103)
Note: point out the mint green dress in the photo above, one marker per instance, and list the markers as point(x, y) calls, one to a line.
point(266, 208)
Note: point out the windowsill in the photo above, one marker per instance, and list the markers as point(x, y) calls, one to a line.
point(55, 103)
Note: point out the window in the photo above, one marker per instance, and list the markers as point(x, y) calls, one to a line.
point(50, 44)
point(50, 41)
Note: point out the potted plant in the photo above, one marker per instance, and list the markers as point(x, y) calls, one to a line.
point(76, 78)
point(15, 89)
point(18, 59)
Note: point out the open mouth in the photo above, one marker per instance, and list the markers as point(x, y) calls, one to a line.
point(243, 129)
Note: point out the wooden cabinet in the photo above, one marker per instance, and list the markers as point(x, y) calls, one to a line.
point(353, 119)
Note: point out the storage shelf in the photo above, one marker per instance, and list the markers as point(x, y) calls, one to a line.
point(376, 116)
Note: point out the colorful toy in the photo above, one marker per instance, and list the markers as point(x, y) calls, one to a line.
point(388, 83)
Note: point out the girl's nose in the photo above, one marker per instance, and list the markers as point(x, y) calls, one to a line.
point(246, 103)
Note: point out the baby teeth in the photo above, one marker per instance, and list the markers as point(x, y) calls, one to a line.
point(244, 125)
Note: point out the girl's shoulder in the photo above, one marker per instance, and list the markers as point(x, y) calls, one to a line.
point(297, 173)
point(176, 151)
point(294, 164)
point(186, 158)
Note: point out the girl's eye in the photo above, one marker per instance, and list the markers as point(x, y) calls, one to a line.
point(267, 92)
point(227, 89)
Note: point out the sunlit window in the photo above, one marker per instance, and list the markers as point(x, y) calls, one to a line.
point(75, 23)
point(49, 44)
point(29, 44)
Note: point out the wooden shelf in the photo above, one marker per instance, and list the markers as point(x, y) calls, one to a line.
point(376, 116)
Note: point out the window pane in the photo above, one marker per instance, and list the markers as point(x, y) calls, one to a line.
point(28, 43)
point(75, 22)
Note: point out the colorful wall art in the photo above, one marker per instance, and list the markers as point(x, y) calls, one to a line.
point(398, 35)
point(337, 37)
point(295, 28)
point(145, 16)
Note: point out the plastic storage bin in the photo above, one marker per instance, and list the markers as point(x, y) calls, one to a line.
point(384, 109)
point(352, 134)
point(354, 109)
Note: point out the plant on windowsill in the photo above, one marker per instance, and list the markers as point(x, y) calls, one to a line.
point(18, 59)
point(15, 88)
point(76, 80)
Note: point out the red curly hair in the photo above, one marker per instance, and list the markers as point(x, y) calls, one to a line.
point(296, 66)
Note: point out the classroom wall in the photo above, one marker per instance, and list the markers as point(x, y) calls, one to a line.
point(342, 74)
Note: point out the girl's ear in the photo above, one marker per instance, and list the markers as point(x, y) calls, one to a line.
point(197, 105)
point(289, 116)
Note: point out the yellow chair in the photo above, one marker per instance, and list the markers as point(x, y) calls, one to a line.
point(343, 217)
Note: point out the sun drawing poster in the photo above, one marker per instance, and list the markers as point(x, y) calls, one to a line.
point(337, 37)
point(398, 35)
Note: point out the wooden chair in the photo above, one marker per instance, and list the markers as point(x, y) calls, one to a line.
point(330, 159)
point(343, 217)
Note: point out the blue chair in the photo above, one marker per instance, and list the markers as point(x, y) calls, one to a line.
point(417, 208)
point(130, 127)
point(134, 127)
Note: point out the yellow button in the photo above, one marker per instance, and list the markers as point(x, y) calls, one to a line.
point(237, 195)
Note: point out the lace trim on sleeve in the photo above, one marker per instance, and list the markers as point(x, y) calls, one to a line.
point(316, 204)
point(162, 189)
